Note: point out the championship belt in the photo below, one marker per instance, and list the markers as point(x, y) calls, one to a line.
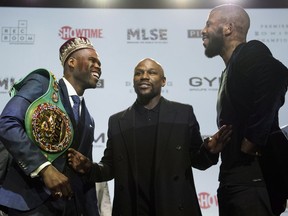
point(46, 121)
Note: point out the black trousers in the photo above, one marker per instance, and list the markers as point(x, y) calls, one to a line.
point(243, 191)
point(240, 200)
point(51, 208)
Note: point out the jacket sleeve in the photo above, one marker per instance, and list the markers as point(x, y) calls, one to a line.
point(200, 157)
point(103, 171)
point(12, 126)
point(268, 80)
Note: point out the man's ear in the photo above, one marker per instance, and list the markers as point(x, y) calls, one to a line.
point(163, 82)
point(228, 28)
point(71, 61)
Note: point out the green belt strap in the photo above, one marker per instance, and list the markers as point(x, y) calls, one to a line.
point(46, 121)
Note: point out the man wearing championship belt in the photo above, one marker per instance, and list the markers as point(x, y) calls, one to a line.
point(38, 125)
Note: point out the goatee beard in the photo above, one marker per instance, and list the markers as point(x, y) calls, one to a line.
point(214, 47)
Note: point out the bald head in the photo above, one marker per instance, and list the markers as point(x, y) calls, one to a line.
point(236, 15)
point(148, 81)
point(226, 27)
point(149, 62)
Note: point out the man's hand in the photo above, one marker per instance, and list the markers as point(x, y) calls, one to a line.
point(250, 148)
point(79, 162)
point(217, 142)
point(56, 182)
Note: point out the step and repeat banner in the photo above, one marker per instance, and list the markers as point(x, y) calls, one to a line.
point(31, 37)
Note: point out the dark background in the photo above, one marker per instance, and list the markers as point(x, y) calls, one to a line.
point(142, 3)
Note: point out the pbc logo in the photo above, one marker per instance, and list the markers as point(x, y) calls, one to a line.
point(194, 33)
point(67, 32)
point(154, 35)
point(206, 200)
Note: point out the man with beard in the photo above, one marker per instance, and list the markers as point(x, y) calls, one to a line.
point(251, 92)
point(150, 150)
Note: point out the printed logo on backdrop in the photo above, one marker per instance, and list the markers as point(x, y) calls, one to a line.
point(5, 84)
point(100, 83)
point(165, 89)
point(17, 34)
point(207, 200)
point(99, 140)
point(194, 33)
point(204, 83)
point(67, 32)
point(147, 36)
point(272, 33)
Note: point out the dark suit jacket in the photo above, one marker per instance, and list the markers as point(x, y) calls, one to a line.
point(19, 190)
point(250, 98)
point(253, 88)
point(274, 166)
point(177, 150)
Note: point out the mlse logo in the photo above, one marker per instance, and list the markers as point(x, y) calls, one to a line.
point(201, 81)
point(100, 139)
point(147, 35)
point(6, 84)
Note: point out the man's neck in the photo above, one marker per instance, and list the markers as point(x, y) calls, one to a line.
point(149, 103)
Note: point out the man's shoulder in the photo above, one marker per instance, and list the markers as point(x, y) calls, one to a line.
point(40, 73)
point(249, 53)
point(255, 47)
point(176, 105)
point(33, 85)
point(121, 113)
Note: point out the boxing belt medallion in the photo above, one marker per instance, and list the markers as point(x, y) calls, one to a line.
point(46, 121)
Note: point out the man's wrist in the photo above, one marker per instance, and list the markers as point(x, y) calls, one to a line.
point(250, 148)
point(36, 172)
point(206, 142)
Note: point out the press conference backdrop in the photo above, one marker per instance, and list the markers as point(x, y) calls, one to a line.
point(31, 37)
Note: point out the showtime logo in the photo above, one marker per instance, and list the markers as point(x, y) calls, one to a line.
point(67, 32)
point(207, 201)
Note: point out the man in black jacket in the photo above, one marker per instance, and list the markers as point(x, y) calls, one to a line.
point(151, 149)
point(252, 90)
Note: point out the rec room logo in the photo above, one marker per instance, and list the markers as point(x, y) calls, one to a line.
point(17, 34)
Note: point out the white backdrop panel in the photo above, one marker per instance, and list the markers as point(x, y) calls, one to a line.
point(31, 37)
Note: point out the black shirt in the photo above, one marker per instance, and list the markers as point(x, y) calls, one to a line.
point(146, 122)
